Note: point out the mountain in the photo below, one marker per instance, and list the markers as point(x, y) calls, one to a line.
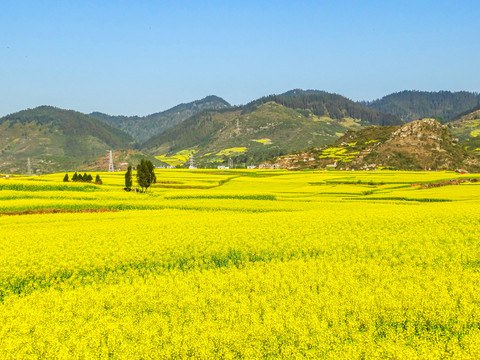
point(267, 127)
point(55, 140)
point(412, 105)
point(142, 128)
point(466, 127)
point(419, 145)
point(325, 104)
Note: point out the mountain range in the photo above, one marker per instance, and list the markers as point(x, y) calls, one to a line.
point(213, 131)
point(141, 128)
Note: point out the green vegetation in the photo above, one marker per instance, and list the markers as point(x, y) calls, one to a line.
point(323, 104)
point(83, 178)
point(143, 128)
point(145, 174)
point(128, 179)
point(269, 130)
point(54, 140)
point(414, 105)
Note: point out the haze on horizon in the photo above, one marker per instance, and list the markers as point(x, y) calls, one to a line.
point(138, 58)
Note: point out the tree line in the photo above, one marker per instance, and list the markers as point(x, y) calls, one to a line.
point(83, 178)
point(145, 177)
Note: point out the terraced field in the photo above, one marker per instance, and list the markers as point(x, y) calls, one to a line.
point(242, 264)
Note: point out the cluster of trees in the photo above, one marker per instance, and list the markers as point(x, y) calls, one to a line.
point(83, 178)
point(322, 103)
point(145, 176)
point(413, 105)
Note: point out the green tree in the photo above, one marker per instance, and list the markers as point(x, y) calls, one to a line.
point(98, 181)
point(128, 179)
point(85, 177)
point(65, 178)
point(89, 178)
point(75, 177)
point(145, 174)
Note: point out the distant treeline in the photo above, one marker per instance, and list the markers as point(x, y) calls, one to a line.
point(322, 103)
point(413, 105)
point(88, 178)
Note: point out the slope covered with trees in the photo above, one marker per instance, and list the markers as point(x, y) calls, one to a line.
point(325, 104)
point(144, 127)
point(413, 105)
point(270, 126)
point(55, 139)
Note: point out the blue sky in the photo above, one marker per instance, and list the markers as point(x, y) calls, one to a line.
point(140, 57)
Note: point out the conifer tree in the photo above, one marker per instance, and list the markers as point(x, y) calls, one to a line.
point(98, 181)
point(75, 177)
point(128, 179)
point(145, 174)
point(65, 179)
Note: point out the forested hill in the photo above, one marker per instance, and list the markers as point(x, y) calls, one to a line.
point(413, 105)
point(144, 127)
point(270, 126)
point(55, 139)
point(325, 104)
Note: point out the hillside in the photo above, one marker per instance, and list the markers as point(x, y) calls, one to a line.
point(324, 104)
point(466, 127)
point(419, 145)
point(54, 140)
point(268, 127)
point(144, 127)
point(411, 105)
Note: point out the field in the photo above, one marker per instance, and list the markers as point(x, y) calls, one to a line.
point(242, 265)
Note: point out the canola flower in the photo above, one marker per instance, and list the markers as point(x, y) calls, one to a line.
point(267, 265)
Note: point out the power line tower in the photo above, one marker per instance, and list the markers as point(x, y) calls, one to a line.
point(29, 167)
point(230, 163)
point(238, 124)
point(110, 162)
point(192, 163)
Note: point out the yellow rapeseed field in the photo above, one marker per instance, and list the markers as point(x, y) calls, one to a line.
point(242, 264)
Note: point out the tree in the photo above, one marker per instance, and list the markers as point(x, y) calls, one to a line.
point(89, 178)
point(98, 181)
point(128, 179)
point(85, 177)
point(145, 174)
point(75, 177)
point(65, 179)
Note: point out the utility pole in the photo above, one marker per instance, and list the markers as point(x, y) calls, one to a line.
point(29, 166)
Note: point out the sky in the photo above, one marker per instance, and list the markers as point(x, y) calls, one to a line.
point(140, 57)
